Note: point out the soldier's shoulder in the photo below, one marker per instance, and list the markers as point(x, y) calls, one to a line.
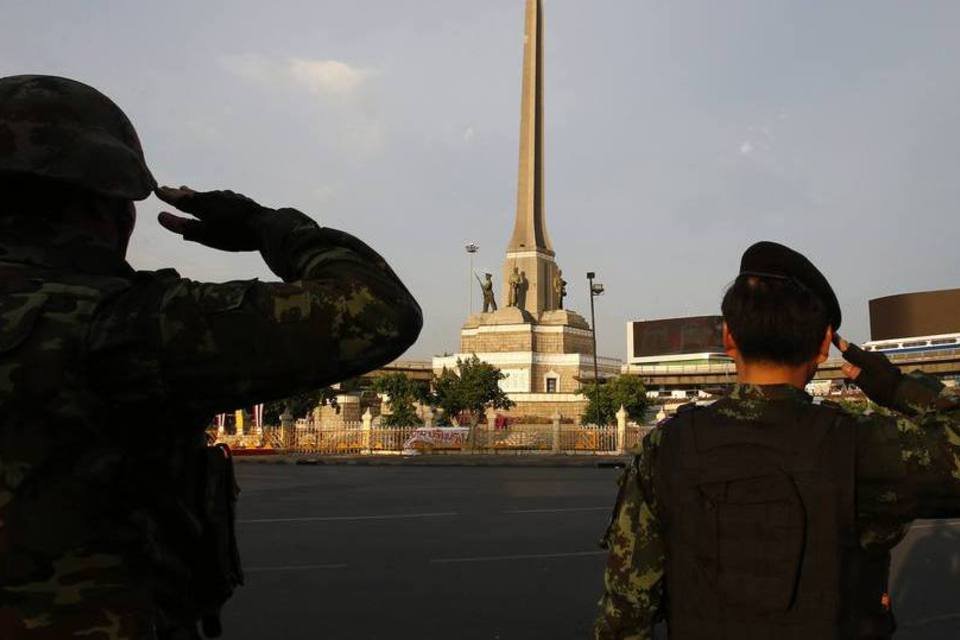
point(159, 275)
point(820, 401)
point(680, 413)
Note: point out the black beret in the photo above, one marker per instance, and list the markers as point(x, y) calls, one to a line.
point(772, 260)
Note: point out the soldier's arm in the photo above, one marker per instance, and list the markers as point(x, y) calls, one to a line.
point(909, 465)
point(908, 462)
point(211, 347)
point(884, 383)
point(633, 596)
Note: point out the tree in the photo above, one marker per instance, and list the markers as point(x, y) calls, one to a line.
point(469, 390)
point(403, 393)
point(623, 391)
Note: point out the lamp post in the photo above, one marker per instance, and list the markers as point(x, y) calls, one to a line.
point(596, 289)
point(472, 248)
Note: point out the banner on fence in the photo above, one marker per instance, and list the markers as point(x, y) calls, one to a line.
point(427, 438)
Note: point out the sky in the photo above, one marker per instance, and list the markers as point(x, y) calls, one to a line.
point(677, 134)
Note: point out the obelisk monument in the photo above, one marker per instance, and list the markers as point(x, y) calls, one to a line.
point(542, 348)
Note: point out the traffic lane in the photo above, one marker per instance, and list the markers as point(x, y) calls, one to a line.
point(518, 560)
point(553, 598)
point(430, 539)
point(277, 491)
point(499, 516)
point(485, 511)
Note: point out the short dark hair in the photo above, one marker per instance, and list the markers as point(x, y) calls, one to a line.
point(775, 320)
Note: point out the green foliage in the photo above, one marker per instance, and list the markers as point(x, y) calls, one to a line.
point(623, 391)
point(469, 390)
point(403, 393)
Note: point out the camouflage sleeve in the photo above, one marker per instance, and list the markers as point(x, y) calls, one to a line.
point(633, 580)
point(908, 466)
point(214, 347)
point(919, 393)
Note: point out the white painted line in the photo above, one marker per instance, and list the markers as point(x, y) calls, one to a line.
point(608, 509)
point(302, 567)
point(397, 516)
point(933, 525)
point(531, 556)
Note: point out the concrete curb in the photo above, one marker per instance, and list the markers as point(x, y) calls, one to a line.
point(443, 461)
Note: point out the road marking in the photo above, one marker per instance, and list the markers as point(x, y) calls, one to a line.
point(932, 525)
point(568, 510)
point(302, 567)
point(397, 516)
point(531, 556)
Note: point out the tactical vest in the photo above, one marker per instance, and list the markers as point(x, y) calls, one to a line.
point(760, 530)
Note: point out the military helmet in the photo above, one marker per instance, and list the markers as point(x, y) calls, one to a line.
point(64, 130)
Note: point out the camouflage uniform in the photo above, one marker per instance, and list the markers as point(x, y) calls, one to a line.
point(908, 466)
point(108, 378)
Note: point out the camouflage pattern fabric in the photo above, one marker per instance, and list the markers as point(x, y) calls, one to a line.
point(108, 379)
point(65, 130)
point(908, 466)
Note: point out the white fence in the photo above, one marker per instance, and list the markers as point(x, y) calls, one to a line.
point(363, 438)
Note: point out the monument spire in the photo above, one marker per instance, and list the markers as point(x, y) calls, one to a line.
point(543, 349)
point(530, 230)
point(530, 272)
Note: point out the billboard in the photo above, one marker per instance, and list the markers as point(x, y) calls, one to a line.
point(925, 313)
point(677, 336)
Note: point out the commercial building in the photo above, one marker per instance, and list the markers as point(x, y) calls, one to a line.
point(915, 323)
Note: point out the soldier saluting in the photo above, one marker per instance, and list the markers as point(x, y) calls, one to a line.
point(766, 514)
point(108, 376)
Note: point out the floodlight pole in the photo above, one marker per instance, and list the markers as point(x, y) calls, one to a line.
point(595, 290)
point(472, 248)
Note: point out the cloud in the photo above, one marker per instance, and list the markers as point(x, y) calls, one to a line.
point(330, 77)
point(469, 134)
point(746, 147)
point(320, 77)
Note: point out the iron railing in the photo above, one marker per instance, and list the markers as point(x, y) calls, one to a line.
point(355, 439)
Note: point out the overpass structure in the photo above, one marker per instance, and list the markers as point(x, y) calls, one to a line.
point(413, 369)
point(944, 364)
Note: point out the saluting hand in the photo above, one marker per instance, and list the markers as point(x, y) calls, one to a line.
point(876, 376)
point(224, 220)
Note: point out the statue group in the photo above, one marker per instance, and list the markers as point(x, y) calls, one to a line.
point(518, 289)
point(517, 294)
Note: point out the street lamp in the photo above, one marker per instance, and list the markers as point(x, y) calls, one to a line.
point(596, 289)
point(472, 248)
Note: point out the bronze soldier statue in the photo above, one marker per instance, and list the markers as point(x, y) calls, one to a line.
point(486, 287)
point(109, 376)
point(515, 282)
point(559, 288)
point(769, 514)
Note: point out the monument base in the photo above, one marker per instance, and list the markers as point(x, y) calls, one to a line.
point(543, 406)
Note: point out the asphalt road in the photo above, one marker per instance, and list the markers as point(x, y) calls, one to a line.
point(471, 552)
